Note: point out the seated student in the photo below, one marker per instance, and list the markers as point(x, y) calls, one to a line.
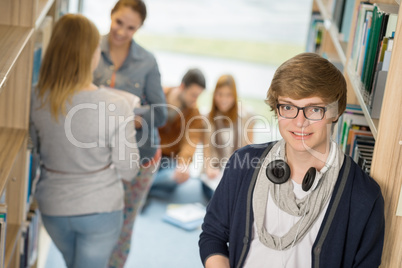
point(181, 133)
point(86, 141)
point(228, 128)
point(298, 202)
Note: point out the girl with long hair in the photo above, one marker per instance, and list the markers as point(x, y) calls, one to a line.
point(86, 142)
point(229, 129)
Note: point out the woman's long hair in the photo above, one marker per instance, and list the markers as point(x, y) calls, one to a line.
point(227, 119)
point(225, 80)
point(66, 66)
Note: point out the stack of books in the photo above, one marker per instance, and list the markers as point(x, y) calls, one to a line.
point(355, 137)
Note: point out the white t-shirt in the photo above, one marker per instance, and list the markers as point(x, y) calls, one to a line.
point(278, 222)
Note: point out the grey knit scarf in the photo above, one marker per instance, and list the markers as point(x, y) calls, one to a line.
point(307, 208)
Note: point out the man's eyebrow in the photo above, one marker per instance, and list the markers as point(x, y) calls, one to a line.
point(308, 104)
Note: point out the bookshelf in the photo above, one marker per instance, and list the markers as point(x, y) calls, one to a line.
point(19, 26)
point(11, 140)
point(386, 166)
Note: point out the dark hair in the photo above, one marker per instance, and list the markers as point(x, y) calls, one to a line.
point(135, 5)
point(194, 76)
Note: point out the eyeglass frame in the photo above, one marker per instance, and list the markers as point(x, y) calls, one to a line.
point(301, 108)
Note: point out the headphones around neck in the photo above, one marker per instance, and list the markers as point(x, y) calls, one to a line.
point(278, 172)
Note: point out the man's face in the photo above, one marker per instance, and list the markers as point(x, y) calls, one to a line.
point(302, 134)
point(190, 95)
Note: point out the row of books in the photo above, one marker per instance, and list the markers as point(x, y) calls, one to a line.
point(355, 138)
point(372, 45)
point(33, 174)
point(315, 33)
point(30, 227)
point(342, 15)
point(3, 229)
point(340, 12)
point(42, 38)
point(30, 239)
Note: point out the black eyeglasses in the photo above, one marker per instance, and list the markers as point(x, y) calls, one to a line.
point(315, 113)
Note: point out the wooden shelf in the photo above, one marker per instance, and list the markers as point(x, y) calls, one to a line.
point(43, 9)
point(357, 88)
point(13, 40)
point(11, 141)
point(12, 237)
point(386, 161)
point(333, 32)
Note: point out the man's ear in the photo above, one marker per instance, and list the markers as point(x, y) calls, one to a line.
point(336, 119)
point(182, 86)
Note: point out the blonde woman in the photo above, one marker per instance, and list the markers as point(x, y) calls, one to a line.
point(86, 138)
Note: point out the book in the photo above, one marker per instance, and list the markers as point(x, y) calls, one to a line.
point(24, 252)
point(186, 216)
point(359, 31)
point(378, 30)
point(30, 239)
point(350, 121)
point(387, 55)
point(377, 51)
point(350, 109)
point(362, 50)
point(380, 59)
point(362, 146)
point(314, 35)
point(37, 60)
point(28, 180)
point(3, 230)
point(353, 133)
point(391, 25)
point(347, 20)
point(337, 13)
point(376, 85)
point(378, 96)
point(42, 39)
point(44, 33)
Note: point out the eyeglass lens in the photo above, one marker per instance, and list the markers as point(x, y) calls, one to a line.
point(310, 112)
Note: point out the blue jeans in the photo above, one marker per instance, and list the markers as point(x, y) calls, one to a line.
point(164, 183)
point(86, 241)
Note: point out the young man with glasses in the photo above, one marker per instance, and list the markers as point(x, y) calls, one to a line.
point(297, 202)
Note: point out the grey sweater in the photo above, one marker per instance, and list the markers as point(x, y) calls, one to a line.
point(85, 154)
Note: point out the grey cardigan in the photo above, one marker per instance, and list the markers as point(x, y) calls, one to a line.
point(85, 154)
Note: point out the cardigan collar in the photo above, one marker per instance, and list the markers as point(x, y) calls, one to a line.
point(134, 52)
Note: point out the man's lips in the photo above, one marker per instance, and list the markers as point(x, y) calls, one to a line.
point(301, 135)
